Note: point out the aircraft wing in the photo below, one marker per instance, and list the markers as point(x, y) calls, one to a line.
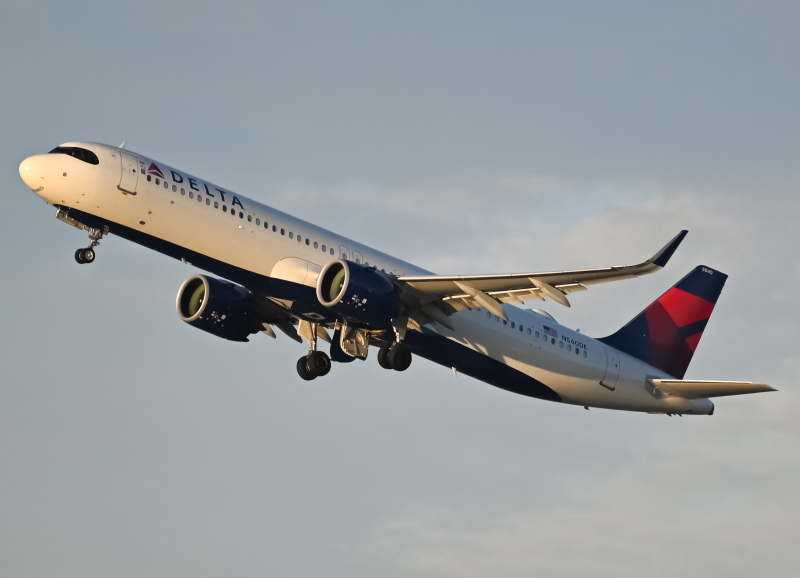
point(691, 389)
point(462, 291)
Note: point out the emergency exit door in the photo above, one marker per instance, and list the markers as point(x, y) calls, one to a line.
point(612, 369)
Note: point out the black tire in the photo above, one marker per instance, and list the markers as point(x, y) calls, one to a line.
point(383, 356)
point(318, 363)
point(88, 255)
point(79, 256)
point(302, 371)
point(399, 358)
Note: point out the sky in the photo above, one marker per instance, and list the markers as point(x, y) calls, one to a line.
point(464, 137)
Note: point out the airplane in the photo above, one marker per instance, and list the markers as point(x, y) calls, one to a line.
point(280, 272)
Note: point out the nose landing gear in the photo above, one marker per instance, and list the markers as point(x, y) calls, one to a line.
point(84, 255)
point(87, 255)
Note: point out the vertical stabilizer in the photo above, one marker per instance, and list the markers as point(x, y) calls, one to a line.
point(666, 334)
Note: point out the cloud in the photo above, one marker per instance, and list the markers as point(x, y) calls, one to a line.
point(691, 508)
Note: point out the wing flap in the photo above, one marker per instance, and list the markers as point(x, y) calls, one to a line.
point(692, 389)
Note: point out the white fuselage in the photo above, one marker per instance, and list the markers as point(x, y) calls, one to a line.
point(188, 212)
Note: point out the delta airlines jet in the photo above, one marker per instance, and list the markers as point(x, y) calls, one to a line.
point(278, 271)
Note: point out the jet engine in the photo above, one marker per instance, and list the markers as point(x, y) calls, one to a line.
point(218, 307)
point(362, 294)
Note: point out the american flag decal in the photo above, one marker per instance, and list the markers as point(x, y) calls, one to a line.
point(550, 332)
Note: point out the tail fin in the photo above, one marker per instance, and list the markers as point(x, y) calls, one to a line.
point(666, 334)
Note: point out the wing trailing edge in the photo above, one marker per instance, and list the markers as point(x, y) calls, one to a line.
point(474, 290)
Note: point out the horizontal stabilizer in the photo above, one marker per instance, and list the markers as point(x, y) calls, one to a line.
point(690, 389)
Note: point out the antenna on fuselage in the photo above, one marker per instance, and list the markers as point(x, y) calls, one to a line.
point(122, 146)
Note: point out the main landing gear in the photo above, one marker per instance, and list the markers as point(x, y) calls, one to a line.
point(396, 357)
point(87, 255)
point(316, 363)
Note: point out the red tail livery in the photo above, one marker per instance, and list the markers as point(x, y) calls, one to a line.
point(666, 334)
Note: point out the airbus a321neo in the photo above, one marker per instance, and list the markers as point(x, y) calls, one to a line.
point(278, 271)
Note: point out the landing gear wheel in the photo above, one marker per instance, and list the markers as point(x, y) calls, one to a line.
point(88, 255)
point(399, 358)
point(302, 371)
point(79, 256)
point(318, 363)
point(383, 356)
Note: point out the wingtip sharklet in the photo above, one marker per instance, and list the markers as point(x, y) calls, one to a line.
point(661, 258)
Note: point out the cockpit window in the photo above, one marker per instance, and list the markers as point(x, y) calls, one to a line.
point(84, 155)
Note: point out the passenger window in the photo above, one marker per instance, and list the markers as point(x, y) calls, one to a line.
point(291, 235)
point(191, 194)
point(299, 239)
point(323, 249)
point(584, 354)
point(266, 226)
point(166, 185)
point(529, 331)
point(149, 178)
point(577, 351)
point(158, 182)
point(307, 241)
point(174, 188)
point(208, 201)
point(505, 322)
point(258, 222)
point(316, 245)
point(552, 340)
point(199, 199)
point(331, 250)
point(275, 229)
point(249, 219)
point(183, 191)
point(520, 328)
point(344, 255)
point(513, 325)
point(537, 335)
point(489, 314)
point(283, 231)
point(241, 215)
point(561, 344)
point(225, 208)
point(216, 205)
point(569, 348)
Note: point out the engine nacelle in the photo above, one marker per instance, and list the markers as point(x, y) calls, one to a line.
point(360, 293)
point(218, 307)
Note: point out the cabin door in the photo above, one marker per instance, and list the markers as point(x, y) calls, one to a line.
point(130, 173)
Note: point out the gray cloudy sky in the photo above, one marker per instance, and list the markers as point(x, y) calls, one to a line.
point(461, 136)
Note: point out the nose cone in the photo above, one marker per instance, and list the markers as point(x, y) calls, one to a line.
point(31, 172)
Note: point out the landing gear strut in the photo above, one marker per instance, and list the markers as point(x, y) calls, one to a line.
point(87, 255)
point(396, 357)
point(316, 363)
